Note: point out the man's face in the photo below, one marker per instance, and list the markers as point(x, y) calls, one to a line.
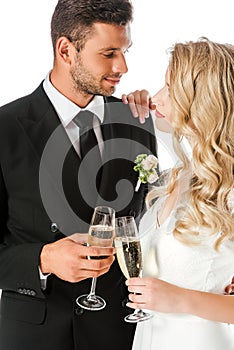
point(99, 66)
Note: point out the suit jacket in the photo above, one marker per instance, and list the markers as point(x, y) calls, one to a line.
point(41, 201)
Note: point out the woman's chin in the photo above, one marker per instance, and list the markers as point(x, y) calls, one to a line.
point(163, 125)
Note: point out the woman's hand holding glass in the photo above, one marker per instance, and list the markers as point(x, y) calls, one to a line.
point(154, 294)
point(128, 251)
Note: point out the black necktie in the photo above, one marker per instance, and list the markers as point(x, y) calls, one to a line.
point(89, 143)
point(88, 140)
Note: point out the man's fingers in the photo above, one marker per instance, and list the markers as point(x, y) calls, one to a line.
point(96, 267)
point(99, 251)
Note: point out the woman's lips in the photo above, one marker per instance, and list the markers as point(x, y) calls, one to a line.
point(158, 114)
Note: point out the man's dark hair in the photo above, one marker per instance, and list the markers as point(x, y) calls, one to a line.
point(74, 19)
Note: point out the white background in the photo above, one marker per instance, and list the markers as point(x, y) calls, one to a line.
point(26, 51)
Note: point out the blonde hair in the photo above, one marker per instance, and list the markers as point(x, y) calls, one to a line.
point(202, 95)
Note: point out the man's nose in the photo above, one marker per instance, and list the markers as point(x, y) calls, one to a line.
point(120, 65)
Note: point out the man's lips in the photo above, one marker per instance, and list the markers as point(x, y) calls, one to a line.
point(158, 114)
point(113, 81)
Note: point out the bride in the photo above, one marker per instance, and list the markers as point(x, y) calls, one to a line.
point(187, 243)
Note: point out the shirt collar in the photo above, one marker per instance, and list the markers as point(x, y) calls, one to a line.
point(66, 109)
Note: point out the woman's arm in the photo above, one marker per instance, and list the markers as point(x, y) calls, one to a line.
point(161, 296)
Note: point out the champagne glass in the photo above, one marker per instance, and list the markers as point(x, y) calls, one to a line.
point(129, 256)
point(101, 233)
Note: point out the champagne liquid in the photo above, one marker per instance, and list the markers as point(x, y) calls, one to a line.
point(101, 236)
point(129, 256)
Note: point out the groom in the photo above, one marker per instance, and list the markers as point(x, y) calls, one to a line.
point(49, 187)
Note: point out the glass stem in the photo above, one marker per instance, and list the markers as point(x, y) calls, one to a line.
point(139, 312)
point(93, 287)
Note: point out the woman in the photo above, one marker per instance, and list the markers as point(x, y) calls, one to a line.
point(188, 246)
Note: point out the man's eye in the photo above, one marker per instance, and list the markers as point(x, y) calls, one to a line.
point(109, 55)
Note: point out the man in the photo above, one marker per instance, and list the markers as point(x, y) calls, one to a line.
point(47, 191)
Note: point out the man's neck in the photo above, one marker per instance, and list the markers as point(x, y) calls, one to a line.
point(80, 98)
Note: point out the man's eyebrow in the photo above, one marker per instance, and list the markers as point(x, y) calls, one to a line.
point(114, 48)
point(109, 49)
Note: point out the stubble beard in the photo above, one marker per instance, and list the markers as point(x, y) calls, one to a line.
point(86, 83)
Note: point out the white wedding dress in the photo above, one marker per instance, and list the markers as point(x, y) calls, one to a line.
point(194, 267)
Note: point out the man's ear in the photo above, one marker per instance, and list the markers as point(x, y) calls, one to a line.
point(64, 49)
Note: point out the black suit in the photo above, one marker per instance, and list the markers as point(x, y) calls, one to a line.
point(40, 188)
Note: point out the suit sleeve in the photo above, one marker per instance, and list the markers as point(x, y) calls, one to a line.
point(18, 261)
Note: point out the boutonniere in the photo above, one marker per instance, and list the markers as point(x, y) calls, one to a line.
point(146, 165)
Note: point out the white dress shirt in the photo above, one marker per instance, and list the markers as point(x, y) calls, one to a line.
point(67, 110)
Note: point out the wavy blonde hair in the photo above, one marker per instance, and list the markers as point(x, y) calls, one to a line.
point(202, 95)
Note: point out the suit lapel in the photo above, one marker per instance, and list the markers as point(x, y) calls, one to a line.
point(118, 150)
point(41, 121)
point(124, 139)
point(46, 134)
point(59, 162)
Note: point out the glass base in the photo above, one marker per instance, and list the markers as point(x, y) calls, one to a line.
point(138, 316)
point(91, 302)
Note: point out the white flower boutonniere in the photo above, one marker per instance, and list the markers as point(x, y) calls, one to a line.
point(146, 165)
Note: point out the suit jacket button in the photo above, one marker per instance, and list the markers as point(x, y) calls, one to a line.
point(124, 302)
point(31, 292)
point(79, 311)
point(54, 227)
point(132, 213)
